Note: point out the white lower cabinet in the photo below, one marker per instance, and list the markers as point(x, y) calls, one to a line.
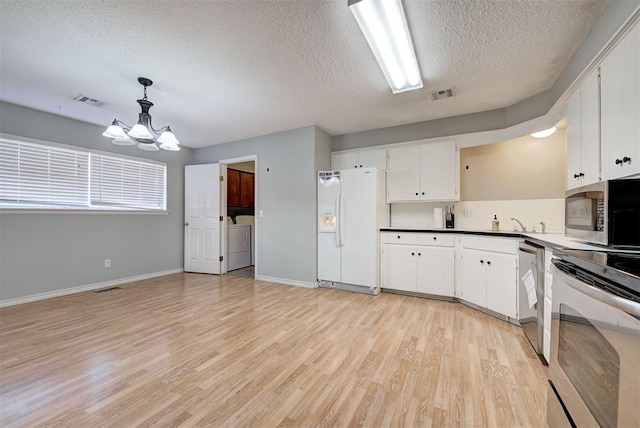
point(435, 271)
point(398, 265)
point(488, 279)
point(422, 263)
point(479, 270)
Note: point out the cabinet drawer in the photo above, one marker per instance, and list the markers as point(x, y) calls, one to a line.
point(435, 239)
point(498, 245)
point(398, 237)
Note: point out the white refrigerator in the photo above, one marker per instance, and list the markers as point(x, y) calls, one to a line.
point(351, 211)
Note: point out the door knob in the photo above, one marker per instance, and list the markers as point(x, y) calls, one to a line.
point(186, 223)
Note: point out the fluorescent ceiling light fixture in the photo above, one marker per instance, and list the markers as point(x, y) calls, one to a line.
point(544, 134)
point(384, 26)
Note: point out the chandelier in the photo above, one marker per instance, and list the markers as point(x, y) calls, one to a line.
point(140, 133)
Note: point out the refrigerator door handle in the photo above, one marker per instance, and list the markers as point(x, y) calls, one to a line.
point(338, 221)
point(341, 221)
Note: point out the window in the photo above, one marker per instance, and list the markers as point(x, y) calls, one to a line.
point(36, 175)
point(127, 183)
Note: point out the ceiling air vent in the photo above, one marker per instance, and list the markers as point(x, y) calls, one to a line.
point(90, 101)
point(441, 95)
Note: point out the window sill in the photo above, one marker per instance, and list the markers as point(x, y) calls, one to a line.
point(80, 211)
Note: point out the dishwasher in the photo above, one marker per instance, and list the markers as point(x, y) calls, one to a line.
point(531, 293)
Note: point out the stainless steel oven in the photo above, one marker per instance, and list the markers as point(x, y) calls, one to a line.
point(594, 367)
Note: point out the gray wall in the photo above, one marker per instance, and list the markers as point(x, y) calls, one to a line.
point(42, 253)
point(286, 240)
point(539, 105)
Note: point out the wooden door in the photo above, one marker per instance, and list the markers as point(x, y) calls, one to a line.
point(233, 188)
point(247, 189)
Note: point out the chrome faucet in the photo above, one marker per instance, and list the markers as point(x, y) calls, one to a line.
point(544, 226)
point(524, 229)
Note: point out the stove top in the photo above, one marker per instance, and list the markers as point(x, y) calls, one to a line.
point(620, 267)
point(626, 262)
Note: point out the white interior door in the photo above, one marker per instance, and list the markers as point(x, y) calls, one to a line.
point(202, 211)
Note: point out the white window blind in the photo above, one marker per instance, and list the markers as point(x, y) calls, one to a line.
point(35, 174)
point(127, 183)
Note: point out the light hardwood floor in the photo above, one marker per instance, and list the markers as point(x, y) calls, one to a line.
point(204, 350)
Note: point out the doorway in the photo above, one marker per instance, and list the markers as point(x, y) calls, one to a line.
point(240, 197)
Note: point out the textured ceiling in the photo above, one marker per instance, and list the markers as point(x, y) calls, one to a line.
point(228, 70)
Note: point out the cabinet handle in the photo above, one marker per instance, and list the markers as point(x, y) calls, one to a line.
point(413, 254)
point(435, 238)
point(423, 193)
point(481, 262)
point(398, 236)
point(576, 175)
point(186, 223)
point(416, 193)
point(419, 254)
point(626, 159)
point(618, 161)
point(360, 166)
point(488, 262)
point(581, 174)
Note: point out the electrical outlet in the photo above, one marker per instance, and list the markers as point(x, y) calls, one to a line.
point(468, 212)
point(260, 213)
point(107, 263)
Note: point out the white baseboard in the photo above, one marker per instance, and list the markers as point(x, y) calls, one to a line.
point(89, 287)
point(287, 281)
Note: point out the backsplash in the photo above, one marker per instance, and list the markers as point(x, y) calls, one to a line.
point(480, 213)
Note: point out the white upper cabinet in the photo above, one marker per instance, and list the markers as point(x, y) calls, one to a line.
point(425, 172)
point(360, 159)
point(583, 144)
point(438, 171)
point(403, 174)
point(620, 108)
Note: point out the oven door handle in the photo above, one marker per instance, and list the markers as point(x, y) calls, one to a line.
point(628, 306)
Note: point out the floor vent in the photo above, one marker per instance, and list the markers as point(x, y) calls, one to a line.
point(441, 95)
point(88, 100)
point(104, 290)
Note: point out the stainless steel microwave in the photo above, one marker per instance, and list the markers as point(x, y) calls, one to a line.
point(605, 213)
